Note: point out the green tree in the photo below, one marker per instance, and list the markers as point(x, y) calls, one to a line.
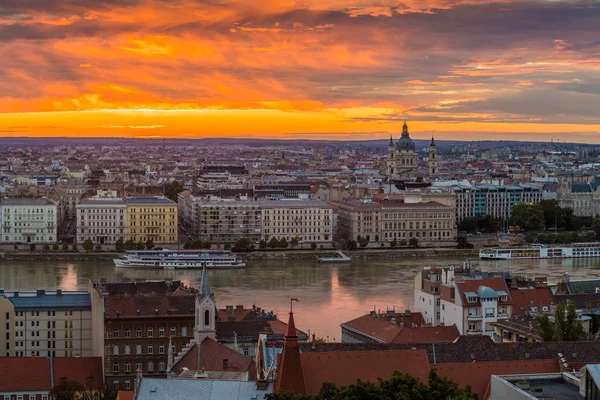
point(66, 390)
point(32, 247)
point(273, 243)
point(149, 244)
point(16, 247)
point(171, 190)
point(130, 245)
point(46, 247)
point(242, 245)
point(119, 245)
point(403, 242)
point(75, 248)
point(283, 243)
point(88, 245)
point(294, 242)
point(527, 216)
point(313, 245)
point(363, 242)
point(140, 245)
point(596, 226)
point(55, 247)
point(352, 245)
point(413, 242)
point(463, 243)
point(65, 247)
point(565, 326)
point(262, 244)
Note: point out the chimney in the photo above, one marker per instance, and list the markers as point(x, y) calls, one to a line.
point(239, 308)
point(229, 309)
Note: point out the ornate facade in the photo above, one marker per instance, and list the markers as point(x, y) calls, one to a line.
point(403, 160)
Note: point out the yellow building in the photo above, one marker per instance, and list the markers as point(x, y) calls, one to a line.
point(151, 218)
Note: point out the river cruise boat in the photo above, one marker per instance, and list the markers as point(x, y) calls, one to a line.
point(179, 259)
point(338, 258)
point(576, 250)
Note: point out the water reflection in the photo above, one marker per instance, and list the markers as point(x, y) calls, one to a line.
point(329, 295)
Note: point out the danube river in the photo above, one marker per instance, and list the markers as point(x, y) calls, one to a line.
point(329, 295)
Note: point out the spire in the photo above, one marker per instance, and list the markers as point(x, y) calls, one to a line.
point(290, 375)
point(291, 329)
point(170, 355)
point(391, 141)
point(405, 129)
point(432, 142)
point(204, 285)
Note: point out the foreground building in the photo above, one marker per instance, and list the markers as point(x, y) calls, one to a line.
point(46, 323)
point(28, 220)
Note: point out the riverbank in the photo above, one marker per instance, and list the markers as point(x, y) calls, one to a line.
point(257, 255)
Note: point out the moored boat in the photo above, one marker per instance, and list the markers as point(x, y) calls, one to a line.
point(339, 258)
point(576, 250)
point(217, 259)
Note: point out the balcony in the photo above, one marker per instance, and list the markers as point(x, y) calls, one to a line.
point(478, 330)
point(474, 317)
point(503, 315)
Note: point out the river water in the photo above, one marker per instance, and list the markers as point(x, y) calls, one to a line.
point(329, 295)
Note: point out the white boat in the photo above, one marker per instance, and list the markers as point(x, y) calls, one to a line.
point(179, 259)
point(576, 250)
point(340, 258)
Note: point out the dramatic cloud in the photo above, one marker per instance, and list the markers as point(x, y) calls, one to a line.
point(282, 67)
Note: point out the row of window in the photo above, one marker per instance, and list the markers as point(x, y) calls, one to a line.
point(150, 332)
point(138, 349)
point(138, 367)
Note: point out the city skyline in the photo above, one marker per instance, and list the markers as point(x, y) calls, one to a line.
point(321, 69)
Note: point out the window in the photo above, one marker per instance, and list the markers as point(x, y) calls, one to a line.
point(127, 332)
point(127, 349)
point(138, 332)
point(150, 349)
point(116, 384)
point(184, 331)
point(115, 367)
point(161, 349)
point(32, 397)
point(127, 385)
point(161, 366)
point(206, 318)
point(138, 349)
point(150, 366)
point(115, 332)
point(489, 312)
point(161, 331)
point(127, 367)
point(246, 351)
point(138, 366)
point(115, 350)
point(173, 331)
point(150, 332)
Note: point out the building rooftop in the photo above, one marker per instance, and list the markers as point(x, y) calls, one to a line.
point(184, 389)
point(26, 201)
point(49, 299)
point(556, 386)
point(149, 200)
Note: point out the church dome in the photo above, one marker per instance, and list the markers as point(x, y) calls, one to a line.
point(405, 142)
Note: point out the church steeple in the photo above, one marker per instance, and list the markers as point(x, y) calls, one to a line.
point(289, 371)
point(405, 129)
point(206, 309)
point(432, 142)
point(391, 141)
point(204, 284)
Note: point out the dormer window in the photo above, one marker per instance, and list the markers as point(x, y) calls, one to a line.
point(503, 298)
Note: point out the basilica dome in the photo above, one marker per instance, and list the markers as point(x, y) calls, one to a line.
point(405, 142)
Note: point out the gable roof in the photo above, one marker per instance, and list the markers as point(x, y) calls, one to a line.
point(427, 334)
point(524, 299)
point(79, 369)
point(184, 389)
point(24, 373)
point(478, 374)
point(166, 305)
point(344, 368)
point(212, 356)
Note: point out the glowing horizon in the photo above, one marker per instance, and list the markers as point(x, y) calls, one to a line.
point(311, 69)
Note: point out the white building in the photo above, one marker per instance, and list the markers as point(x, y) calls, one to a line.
point(474, 304)
point(307, 221)
point(28, 220)
point(102, 220)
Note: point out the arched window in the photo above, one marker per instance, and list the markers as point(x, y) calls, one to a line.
point(138, 349)
point(206, 318)
point(127, 349)
point(116, 350)
point(410, 225)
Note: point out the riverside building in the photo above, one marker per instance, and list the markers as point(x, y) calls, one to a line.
point(102, 220)
point(28, 220)
point(151, 218)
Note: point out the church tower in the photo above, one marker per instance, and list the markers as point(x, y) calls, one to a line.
point(432, 159)
point(206, 309)
point(403, 160)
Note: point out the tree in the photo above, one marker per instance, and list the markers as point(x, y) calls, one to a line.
point(140, 245)
point(149, 244)
point(481, 223)
point(403, 242)
point(32, 247)
point(565, 326)
point(313, 245)
point(413, 242)
point(55, 247)
point(66, 390)
point(527, 216)
point(242, 245)
point(119, 245)
point(171, 190)
point(363, 242)
point(393, 244)
point(130, 245)
point(596, 226)
point(16, 247)
point(463, 243)
point(273, 243)
point(88, 245)
point(262, 244)
point(98, 247)
point(294, 242)
point(75, 248)
point(283, 243)
point(352, 245)
point(46, 247)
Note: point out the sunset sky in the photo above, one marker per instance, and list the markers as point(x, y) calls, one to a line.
point(338, 69)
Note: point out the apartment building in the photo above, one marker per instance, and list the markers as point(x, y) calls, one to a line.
point(46, 323)
point(473, 305)
point(102, 220)
point(494, 200)
point(308, 221)
point(137, 324)
point(582, 197)
point(28, 220)
point(151, 218)
point(388, 220)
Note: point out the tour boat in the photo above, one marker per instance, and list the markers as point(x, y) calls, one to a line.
point(179, 259)
point(339, 258)
point(576, 250)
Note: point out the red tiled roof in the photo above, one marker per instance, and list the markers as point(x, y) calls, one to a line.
point(471, 285)
point(212, 355)
point(125, 395)
point(147, 304)
point(278, 327)
point(478, 374)
point(79, 369)
point(380, 329)
point(524, 299)
point(427, 334)
point(344, 368)
point(24, 374)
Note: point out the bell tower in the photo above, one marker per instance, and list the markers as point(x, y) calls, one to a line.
point(432, 158)
point(206, 309)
